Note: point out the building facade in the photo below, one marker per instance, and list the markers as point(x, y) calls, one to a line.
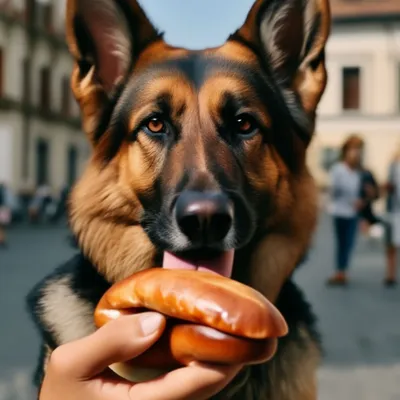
point(363, 92)
point(41, 141)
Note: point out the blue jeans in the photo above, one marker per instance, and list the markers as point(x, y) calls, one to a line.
point(345, 232)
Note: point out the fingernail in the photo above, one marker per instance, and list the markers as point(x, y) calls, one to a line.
point(151, 323)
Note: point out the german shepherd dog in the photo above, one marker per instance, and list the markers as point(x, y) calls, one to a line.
point(198, 157)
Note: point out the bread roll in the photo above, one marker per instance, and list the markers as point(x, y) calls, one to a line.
point(213, 319)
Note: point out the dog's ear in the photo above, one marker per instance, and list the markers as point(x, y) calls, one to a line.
point(105, 37)
point(290, 35)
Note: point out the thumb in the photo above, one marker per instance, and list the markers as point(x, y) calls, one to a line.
point(118, 341)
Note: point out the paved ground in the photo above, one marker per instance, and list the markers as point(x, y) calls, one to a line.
point(360, 324)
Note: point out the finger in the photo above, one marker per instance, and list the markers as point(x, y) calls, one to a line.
point(196, 382)
point(118, 341)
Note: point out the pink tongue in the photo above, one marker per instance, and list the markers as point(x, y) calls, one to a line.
point(221, 265)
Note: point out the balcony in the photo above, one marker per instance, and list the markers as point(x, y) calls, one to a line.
point(35, 32)
point(344, 11)
point(9, 104)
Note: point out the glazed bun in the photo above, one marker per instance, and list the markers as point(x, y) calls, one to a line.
point(213, 320)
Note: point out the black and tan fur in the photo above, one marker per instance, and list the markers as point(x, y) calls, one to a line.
point(273, 69)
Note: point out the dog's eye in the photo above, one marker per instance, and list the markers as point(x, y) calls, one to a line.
point(156, 125)
point(245, 124)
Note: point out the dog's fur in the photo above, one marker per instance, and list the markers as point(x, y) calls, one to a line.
point(272, 67)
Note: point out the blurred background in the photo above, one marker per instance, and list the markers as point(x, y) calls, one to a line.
point(43, 152)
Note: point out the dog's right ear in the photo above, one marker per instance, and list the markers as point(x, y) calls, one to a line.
point(105, 37)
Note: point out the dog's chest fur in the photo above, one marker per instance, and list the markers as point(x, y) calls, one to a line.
point(62, 307)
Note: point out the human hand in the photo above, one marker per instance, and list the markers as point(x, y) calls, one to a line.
point(389, 187)
point(78, 370)
point(370, 190)
point(359, 205)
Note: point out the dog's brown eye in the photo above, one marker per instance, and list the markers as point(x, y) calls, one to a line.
point(156, 125)
point(245, 124)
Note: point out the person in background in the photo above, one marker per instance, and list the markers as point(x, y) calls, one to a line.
point(5, 215)
point(61, 204)
point(41, 199)
point(393, 223)
point(346, 203)
point(369, 194)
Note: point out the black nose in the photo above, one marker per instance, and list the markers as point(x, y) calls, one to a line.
point(204, 217)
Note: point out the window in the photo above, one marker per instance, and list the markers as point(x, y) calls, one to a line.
point(72, 165)
point(39, 15)
point(45, 88)
point(42, 162)
point(65, 97)
point(48, 17)
point(30, 11)
point(351, 88)
point(26, 70)
point(1, 72)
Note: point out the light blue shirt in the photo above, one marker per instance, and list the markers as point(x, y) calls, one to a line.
point(394, 179)
point(345, 190)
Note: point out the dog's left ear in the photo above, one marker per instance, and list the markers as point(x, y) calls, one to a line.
point(290, 37)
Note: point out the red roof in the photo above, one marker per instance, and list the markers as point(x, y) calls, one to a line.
point(361, 9)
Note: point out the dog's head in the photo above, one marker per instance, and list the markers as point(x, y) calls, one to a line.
point(197, 154)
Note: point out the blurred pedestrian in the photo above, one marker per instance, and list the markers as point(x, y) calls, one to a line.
point(5, 215)
point(40, 201)
point(61, 204)
point(393, 222)
point(346, 203)
point(369, 194)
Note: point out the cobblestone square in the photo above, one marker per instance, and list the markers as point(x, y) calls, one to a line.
point(360, 324)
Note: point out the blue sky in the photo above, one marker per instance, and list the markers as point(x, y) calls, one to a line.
point(197, 23)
